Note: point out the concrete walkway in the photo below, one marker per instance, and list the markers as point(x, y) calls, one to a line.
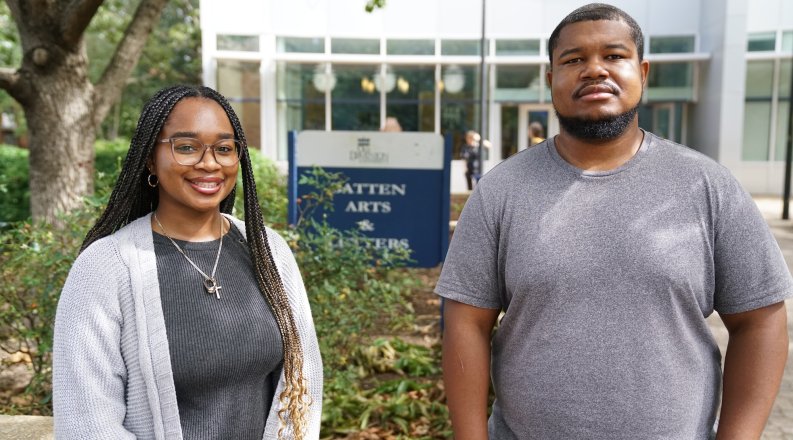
point(26, 428)
point(780, 424)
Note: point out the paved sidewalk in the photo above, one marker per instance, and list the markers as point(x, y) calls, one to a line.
point(780, 424)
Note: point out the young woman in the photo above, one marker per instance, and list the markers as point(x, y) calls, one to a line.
point(178, 320)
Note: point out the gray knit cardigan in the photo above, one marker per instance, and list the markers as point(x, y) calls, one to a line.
point(112, 376)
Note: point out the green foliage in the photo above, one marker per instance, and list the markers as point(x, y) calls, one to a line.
point(404, 399)
point(10, 56)
point(372, 4)
point(396, 356)
point(35, 260)
point(109, 157)
point(350, 283)
point(10, 51)
point(320, 201)
point(14, 188)
point(356, 289)
point(172, 55)
point(270, 188)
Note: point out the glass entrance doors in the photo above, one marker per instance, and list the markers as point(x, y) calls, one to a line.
point(532, 118)
point(664, 121)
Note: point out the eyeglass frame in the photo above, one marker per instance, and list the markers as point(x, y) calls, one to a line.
point(203, 153)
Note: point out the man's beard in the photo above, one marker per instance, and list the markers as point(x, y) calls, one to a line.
point(604, 129)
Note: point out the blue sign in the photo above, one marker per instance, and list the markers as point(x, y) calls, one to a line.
point(397, 190)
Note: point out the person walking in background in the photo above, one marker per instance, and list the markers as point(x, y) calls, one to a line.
point(178, 320)
point(470, 154)
point(536, 133)
point(607, 247)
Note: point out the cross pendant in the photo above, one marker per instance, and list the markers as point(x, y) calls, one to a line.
point(211, 286)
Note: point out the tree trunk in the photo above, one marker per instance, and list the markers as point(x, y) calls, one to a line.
point(62, 133)
point(63, 108)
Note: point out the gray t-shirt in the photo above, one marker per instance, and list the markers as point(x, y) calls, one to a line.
point(606, 279)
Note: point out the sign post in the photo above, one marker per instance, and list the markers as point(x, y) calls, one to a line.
point(397, 192)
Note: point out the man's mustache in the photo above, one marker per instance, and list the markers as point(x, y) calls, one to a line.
point(596, 86)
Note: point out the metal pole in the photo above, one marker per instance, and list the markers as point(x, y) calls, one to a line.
point(482, 95)
point(788, 149)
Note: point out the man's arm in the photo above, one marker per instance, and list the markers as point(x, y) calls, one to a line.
point(753, 367)
point(466, 366)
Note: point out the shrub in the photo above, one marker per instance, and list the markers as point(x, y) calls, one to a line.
point(391, 390)
point(356, 290)
point(270, 187)
point(350, 285)
point(110, 155)
point(14, 189)
point(35, 259)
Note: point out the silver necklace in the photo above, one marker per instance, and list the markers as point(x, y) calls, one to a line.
point(210, 283)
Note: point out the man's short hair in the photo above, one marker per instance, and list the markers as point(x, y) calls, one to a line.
point(593, 12)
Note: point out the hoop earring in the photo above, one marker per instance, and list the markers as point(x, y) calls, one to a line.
point(153, 182)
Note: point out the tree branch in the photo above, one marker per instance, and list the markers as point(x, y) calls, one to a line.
point(109, 87)
point(8, 79)
point(75, 19)
point(31, 9)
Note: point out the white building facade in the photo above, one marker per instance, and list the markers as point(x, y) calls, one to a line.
point(720, 73)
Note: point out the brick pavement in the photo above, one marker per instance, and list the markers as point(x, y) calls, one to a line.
point(780, 424)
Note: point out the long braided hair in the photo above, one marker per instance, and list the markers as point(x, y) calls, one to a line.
point(132, 198)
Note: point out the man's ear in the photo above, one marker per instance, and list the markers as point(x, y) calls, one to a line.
point(644, 66)
point(549, 77)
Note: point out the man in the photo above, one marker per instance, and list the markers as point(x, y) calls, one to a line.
point(606, 248)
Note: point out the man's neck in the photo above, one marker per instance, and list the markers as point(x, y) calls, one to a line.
point(592, 155)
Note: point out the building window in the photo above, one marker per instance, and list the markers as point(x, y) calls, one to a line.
point(461, 47)
point(244, 43)
point(239, 82)
point(783, 115)
point(671, 82)
point(300, 45)
point(410, 47)
point(676, 44)
point(459, 103)
point(787, 41)
point(517, 83)
point(355, 101)
point(517, 47)
point(762, 41)
point(300, 105)
point(757, 111)
point(358, 46)
point(412, 100)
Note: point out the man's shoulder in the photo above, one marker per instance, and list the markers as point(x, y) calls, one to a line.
point(683, 157)
point(676, 150)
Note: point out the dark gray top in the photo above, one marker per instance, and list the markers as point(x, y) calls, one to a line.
point(606, 279)
point(226, 354)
